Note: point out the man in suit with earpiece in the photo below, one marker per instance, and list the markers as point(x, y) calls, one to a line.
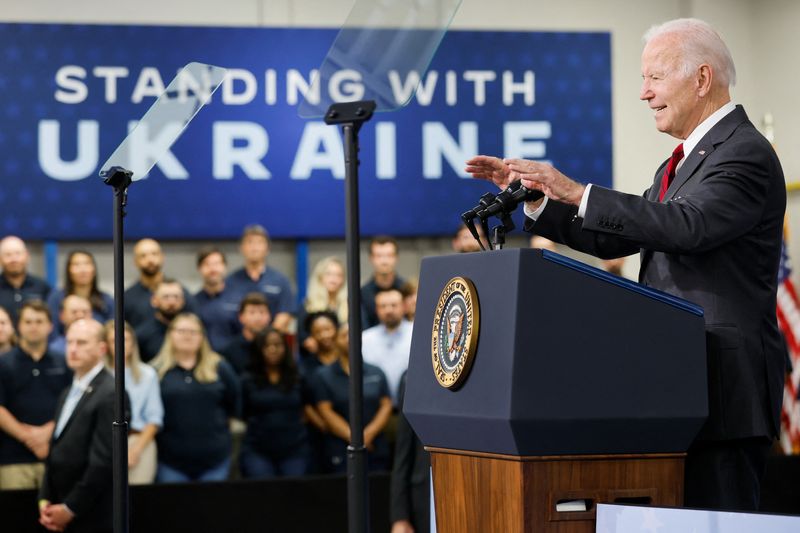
point(77, 489)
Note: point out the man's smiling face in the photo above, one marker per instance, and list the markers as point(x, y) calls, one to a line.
point(670, 93)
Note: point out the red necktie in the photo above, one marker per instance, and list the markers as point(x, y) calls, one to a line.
point(669, 172)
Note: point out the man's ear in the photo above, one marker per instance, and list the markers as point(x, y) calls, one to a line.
point(705, 77)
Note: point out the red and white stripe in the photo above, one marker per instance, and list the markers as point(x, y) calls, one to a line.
point(788, 311)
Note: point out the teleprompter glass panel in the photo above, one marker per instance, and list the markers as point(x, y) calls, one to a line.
point(166, 119)
point(381, 53)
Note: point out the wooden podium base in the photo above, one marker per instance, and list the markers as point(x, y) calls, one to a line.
point(488, 493)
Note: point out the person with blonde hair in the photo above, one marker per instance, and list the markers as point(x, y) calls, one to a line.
point(201, 392)
point(147, 410)
point(327, 291)
point(327, 288)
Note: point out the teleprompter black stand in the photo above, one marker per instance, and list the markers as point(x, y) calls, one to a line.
point(351, 116)
point(120, 179)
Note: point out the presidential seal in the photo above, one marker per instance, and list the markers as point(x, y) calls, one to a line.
point(455, 332)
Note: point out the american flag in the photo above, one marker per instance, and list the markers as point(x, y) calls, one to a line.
point(789, 321)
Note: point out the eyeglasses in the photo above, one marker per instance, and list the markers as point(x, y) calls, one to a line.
point(187, 331)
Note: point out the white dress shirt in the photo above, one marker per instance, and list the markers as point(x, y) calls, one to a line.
point(688, 146)
point(79, 386)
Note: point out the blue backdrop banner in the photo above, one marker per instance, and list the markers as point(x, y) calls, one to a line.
point(72, 92)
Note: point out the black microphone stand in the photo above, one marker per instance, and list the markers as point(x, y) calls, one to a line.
point(487, 199)
point(119, 178)
point(469, 221)
point(351, 116)
point(499, 232)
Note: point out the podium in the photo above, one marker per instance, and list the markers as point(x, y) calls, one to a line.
point(583, 386)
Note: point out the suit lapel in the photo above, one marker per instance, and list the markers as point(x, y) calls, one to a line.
point(652, 192)
point(60, 406)
point(721, 131)
point(716, 135)
point(85, 397)
point(689, 167)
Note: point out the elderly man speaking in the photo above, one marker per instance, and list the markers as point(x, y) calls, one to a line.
point(708, 230)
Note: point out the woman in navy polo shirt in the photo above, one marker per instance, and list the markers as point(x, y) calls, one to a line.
point(274, 406)
point(201, 393)
point(331, 391)
point(322, 326)
point(80, 277)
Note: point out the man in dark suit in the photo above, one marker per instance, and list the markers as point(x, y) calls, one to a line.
point(708, 230)
point(76, 491)
point(409, 495)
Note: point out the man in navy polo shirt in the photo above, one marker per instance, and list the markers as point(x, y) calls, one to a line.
point(149, 259)
point(31, 379)
point(383, 252)
point(167, 303)
point(257, 276)
point(217, 306)
point(16, 284)
point(254, 317)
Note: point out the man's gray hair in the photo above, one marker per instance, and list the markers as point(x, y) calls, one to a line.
point(700, 43)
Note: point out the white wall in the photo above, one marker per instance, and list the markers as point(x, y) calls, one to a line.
point(761, 34)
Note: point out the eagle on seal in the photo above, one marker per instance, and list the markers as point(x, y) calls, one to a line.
point(455, 333)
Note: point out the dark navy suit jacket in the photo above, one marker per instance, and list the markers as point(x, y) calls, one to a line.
point(78, 468)
point(714, 240)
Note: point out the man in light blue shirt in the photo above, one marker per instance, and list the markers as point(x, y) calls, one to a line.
point(388, 344)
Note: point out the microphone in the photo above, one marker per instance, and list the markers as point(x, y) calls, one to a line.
point(508, 200)
point(468, 217)
point(500, 205)
point(486, 200)
point(469, 221)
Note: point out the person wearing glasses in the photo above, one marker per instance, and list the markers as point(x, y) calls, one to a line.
point(201, 393)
